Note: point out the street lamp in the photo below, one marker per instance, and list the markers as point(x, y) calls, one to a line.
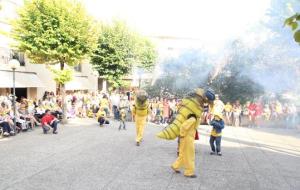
point(14, 64)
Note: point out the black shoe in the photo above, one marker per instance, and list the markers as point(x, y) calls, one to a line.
point(191, 176)
point(176, 171)
point(137, 143)
point(55, 132)
point(212, 153)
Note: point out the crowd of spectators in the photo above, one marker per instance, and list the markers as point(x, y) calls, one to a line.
point(104, 106)
point(250, 114)
point(258, 113)
point(79, 104)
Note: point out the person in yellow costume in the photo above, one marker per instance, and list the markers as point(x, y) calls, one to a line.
point(184, 126)
point(140, 111)
point(186, 158)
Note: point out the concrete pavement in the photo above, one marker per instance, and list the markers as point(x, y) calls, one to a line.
point(85, 156)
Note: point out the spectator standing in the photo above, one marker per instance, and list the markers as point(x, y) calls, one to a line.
point(252, 115)
point(115, 102)
point(166, 111)
point(228, 113)
point(237, 110)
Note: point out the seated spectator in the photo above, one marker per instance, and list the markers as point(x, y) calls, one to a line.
point(101, 115)
point(39, 112)
point(7, 130)
point(25, 115)
point(49, 121)
point(5, 121)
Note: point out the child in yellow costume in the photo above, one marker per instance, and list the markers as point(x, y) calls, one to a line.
point(186, 158)
point(140, 111)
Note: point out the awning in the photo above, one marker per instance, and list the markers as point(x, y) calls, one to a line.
point(23, 79)
point(79, 83)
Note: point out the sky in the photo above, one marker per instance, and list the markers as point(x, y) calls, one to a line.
point(210, 22)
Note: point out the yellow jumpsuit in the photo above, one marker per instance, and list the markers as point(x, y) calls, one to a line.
point(140, 115)
point(186, 158)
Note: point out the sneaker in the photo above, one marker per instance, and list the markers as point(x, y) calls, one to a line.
point(219, 154)
point(12, 133)
point(55, 132)
point(191, 176)
point(137, 143)
point(6, 134)
point(212, 153)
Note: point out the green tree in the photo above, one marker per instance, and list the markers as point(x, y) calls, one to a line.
point(55, 32)
point(119, 49)
point(235, 82)
point(293, 22)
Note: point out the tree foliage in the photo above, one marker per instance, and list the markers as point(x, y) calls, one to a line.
point(235, 82)
point(293, 23)
point(54, 31)
point(119, 49)
point(62, 76)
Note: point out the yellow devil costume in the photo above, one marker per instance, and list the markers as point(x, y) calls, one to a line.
point(140, 111)
point(186, 158)
point(184, 126)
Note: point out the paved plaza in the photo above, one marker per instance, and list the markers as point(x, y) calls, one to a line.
point(85, 156)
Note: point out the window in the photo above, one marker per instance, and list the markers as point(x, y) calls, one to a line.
point(78, 68)
point(18, 56)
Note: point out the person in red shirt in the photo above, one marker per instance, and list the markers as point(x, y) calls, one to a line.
point(166, 111)
point(48, 122)
point(252, 114)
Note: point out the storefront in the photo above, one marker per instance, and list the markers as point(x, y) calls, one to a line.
point(26, 83)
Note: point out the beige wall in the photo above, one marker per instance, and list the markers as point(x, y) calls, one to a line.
point(45, 76)
point(32, 93)
point(87, 70)
point(4, 91)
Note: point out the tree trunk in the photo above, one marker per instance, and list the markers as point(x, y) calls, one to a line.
point(63, 95)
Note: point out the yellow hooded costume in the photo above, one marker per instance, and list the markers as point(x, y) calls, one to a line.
point(185, 126)
point(140, 111)
point(186, 158)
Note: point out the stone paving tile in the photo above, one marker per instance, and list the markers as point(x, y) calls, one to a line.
point(85, 156)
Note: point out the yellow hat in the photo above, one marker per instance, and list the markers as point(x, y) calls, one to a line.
point(218, 114)
point(200, 92)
